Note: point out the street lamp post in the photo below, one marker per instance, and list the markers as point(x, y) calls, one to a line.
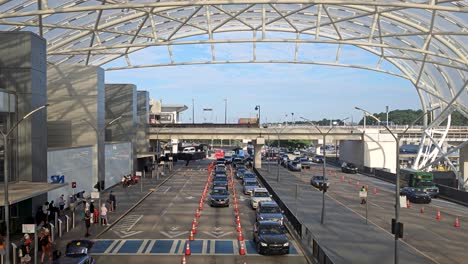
point(6, 178)
point(324, 188)
point(225, 111)
point(99, 133)
point(397, 171)
point(257, 107)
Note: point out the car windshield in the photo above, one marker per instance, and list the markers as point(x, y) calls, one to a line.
point(219, 191)
point(250, 183)
point(249, 175)
point(350, 165)
point(270, 209)
point(261, 194)
point(271, 230)
point(318, 178)
point(220, 179)
point(425, 184)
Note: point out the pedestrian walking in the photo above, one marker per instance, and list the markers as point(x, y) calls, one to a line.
point(61, 204)
point(25, 249)
point(104, 220)
point(45, 241)
point(113, 201)
point(87, 220)
point(363, 199)
point(91, 210)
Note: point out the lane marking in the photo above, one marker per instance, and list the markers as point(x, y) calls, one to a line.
point(150, 246)
point(111, 246)
point(118, 247)
point(174, 247)
point(142, 247)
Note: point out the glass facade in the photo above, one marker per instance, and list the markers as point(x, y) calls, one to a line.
point(8, 117)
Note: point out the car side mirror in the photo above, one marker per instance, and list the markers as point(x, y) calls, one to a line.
point(282, 211)
point(271, 195)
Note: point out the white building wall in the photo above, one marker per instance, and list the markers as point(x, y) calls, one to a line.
point(76, 165)
point(375, 151)
point(118, 162)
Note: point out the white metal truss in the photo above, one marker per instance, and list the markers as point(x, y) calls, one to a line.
point(425, 40)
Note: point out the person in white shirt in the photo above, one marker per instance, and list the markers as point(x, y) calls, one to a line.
point(104, 215)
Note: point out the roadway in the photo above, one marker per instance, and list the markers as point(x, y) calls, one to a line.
point(438, 240)
point(158, 228)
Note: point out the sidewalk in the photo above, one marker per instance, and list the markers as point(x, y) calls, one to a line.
point(344, 235)
point(125, 197)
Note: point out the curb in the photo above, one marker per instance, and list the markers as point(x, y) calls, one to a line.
point(133, 207)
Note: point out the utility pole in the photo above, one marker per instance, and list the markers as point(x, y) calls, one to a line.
point(193, 111)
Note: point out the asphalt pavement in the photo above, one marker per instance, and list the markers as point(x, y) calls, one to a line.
point(350, 240)
point(158, 228)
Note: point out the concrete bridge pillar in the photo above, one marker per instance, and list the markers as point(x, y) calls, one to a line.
point(464, 165)
point(258, 144)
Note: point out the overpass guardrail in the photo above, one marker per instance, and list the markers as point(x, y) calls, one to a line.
point(311, 247)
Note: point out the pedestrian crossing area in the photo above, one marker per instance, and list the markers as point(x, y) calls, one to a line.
point(174, 247)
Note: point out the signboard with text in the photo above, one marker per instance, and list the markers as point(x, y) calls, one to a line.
point(29, 228)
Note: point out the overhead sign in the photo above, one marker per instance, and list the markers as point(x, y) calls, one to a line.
point(94, 195)
point(138, 173)
point(29, 228)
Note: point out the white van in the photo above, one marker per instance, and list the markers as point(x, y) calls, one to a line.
point(189, 150)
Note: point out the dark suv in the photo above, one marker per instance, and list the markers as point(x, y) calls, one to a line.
point(269, 211)
point(219, 196)
point(349, 168)
point(270, 238)
point(220, 181)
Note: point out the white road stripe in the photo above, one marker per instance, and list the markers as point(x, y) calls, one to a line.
point(118, 247)
point(204, 247)
point(140, 250)
point(151, 244)
point(111, 246)
point(212, 247)
point(174, 245)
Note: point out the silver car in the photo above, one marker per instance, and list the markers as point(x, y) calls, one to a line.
point(250, 185)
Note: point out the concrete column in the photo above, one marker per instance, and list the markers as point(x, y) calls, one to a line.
point(464, 165)
point(258, 144)
point(143, 121)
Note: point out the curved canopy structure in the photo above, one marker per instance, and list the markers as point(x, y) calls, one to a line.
point(426, 40)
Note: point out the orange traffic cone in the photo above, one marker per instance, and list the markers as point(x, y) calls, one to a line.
point(200, 206)
point(237, 220)
point(375, 190)
point(239, 228)
point(191, 236)
point(197, 213)
point(195, 222)
point(357, 184)
point(367, 188)
point(194, 229)
point(184, 261)
point(242, 248)
point(241, 238)
point(187, 249)
point(407, 204)
point(235, 200)
point(438, 215)
point(342, 178)
point(422, 210)
point(457, 223)
point(235, 208)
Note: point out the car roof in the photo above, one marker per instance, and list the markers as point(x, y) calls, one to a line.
point(269, 204)
point(268, 222)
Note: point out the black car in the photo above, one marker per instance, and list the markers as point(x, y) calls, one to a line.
point(270, 237)
point(219, 196)
point(248, 175)
point(349, 168)
point(76, 252)
point(317, 181)
point(317, 159)
point(220, 181)
point(415, 195)
point(240, 172)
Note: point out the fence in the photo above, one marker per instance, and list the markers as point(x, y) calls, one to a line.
point(311, 247)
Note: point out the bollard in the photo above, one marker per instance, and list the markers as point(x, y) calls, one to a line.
point(36, 246)
point(73, 219)
point(68, 223)
point(55, 219)
point(14, 247)
point(60, 227)
point(52, 232)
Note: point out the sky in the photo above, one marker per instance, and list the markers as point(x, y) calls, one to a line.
point(311, 91)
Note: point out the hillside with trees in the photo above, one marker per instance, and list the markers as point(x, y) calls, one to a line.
point(406, 117)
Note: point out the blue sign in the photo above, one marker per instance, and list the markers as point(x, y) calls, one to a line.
point(241, 153)
point(57, 178)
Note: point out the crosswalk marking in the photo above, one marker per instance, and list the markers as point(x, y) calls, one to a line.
point(111, 246)
point(142, 247)
point(148, 250)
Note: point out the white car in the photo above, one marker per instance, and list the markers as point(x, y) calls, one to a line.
point(259, 195)
point(189, 150)
point(297, 152)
